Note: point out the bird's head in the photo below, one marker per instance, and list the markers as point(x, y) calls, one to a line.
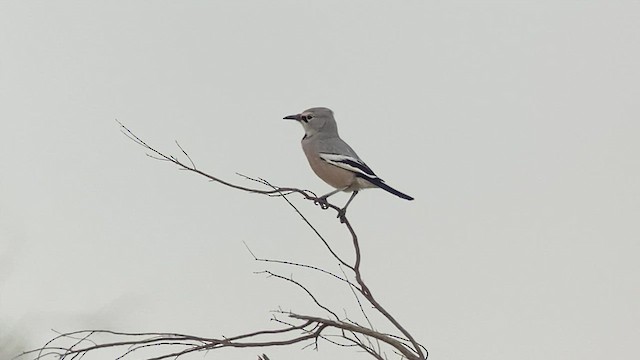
point(318, 120)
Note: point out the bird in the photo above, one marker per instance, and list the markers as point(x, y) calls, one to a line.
point(333, 160)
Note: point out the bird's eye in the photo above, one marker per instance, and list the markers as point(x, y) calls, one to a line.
point(309, 117)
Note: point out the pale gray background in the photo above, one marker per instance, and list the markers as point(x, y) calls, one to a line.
point(514, 124)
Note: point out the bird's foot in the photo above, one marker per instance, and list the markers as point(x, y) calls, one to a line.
point(322, 201)
point(342, 215)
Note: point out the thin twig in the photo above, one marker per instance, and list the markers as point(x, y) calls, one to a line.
point(285, 262)
point(315, 300)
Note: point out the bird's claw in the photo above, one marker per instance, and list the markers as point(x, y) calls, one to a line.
point(324, 205)
point(342, 215)
point(322, 201)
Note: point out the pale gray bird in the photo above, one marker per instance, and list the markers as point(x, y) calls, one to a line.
point(332, 159)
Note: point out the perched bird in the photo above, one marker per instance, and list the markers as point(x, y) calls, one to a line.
point(333, 160)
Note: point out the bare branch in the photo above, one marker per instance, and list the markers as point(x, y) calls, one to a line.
point(361, 330)
point(285, 262)
point(304, 218)
point(344, 333)
point(161, 156)
point(315, 300)
point(193, 165)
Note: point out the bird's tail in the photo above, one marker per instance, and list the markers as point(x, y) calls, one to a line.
point(381, 184)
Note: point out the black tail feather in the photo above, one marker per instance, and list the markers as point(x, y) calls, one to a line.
point(382, 185)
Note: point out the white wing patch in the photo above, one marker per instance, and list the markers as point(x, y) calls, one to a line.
point(349, 163)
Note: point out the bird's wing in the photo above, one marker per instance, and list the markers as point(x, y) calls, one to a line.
point(349, 163)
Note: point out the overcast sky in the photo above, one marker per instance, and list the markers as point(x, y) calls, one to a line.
point(514, 124)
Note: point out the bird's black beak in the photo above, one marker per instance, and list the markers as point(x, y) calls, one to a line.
point(296, 117)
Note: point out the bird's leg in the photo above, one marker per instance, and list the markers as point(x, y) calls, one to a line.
point(343, 212)
point(322, 200)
